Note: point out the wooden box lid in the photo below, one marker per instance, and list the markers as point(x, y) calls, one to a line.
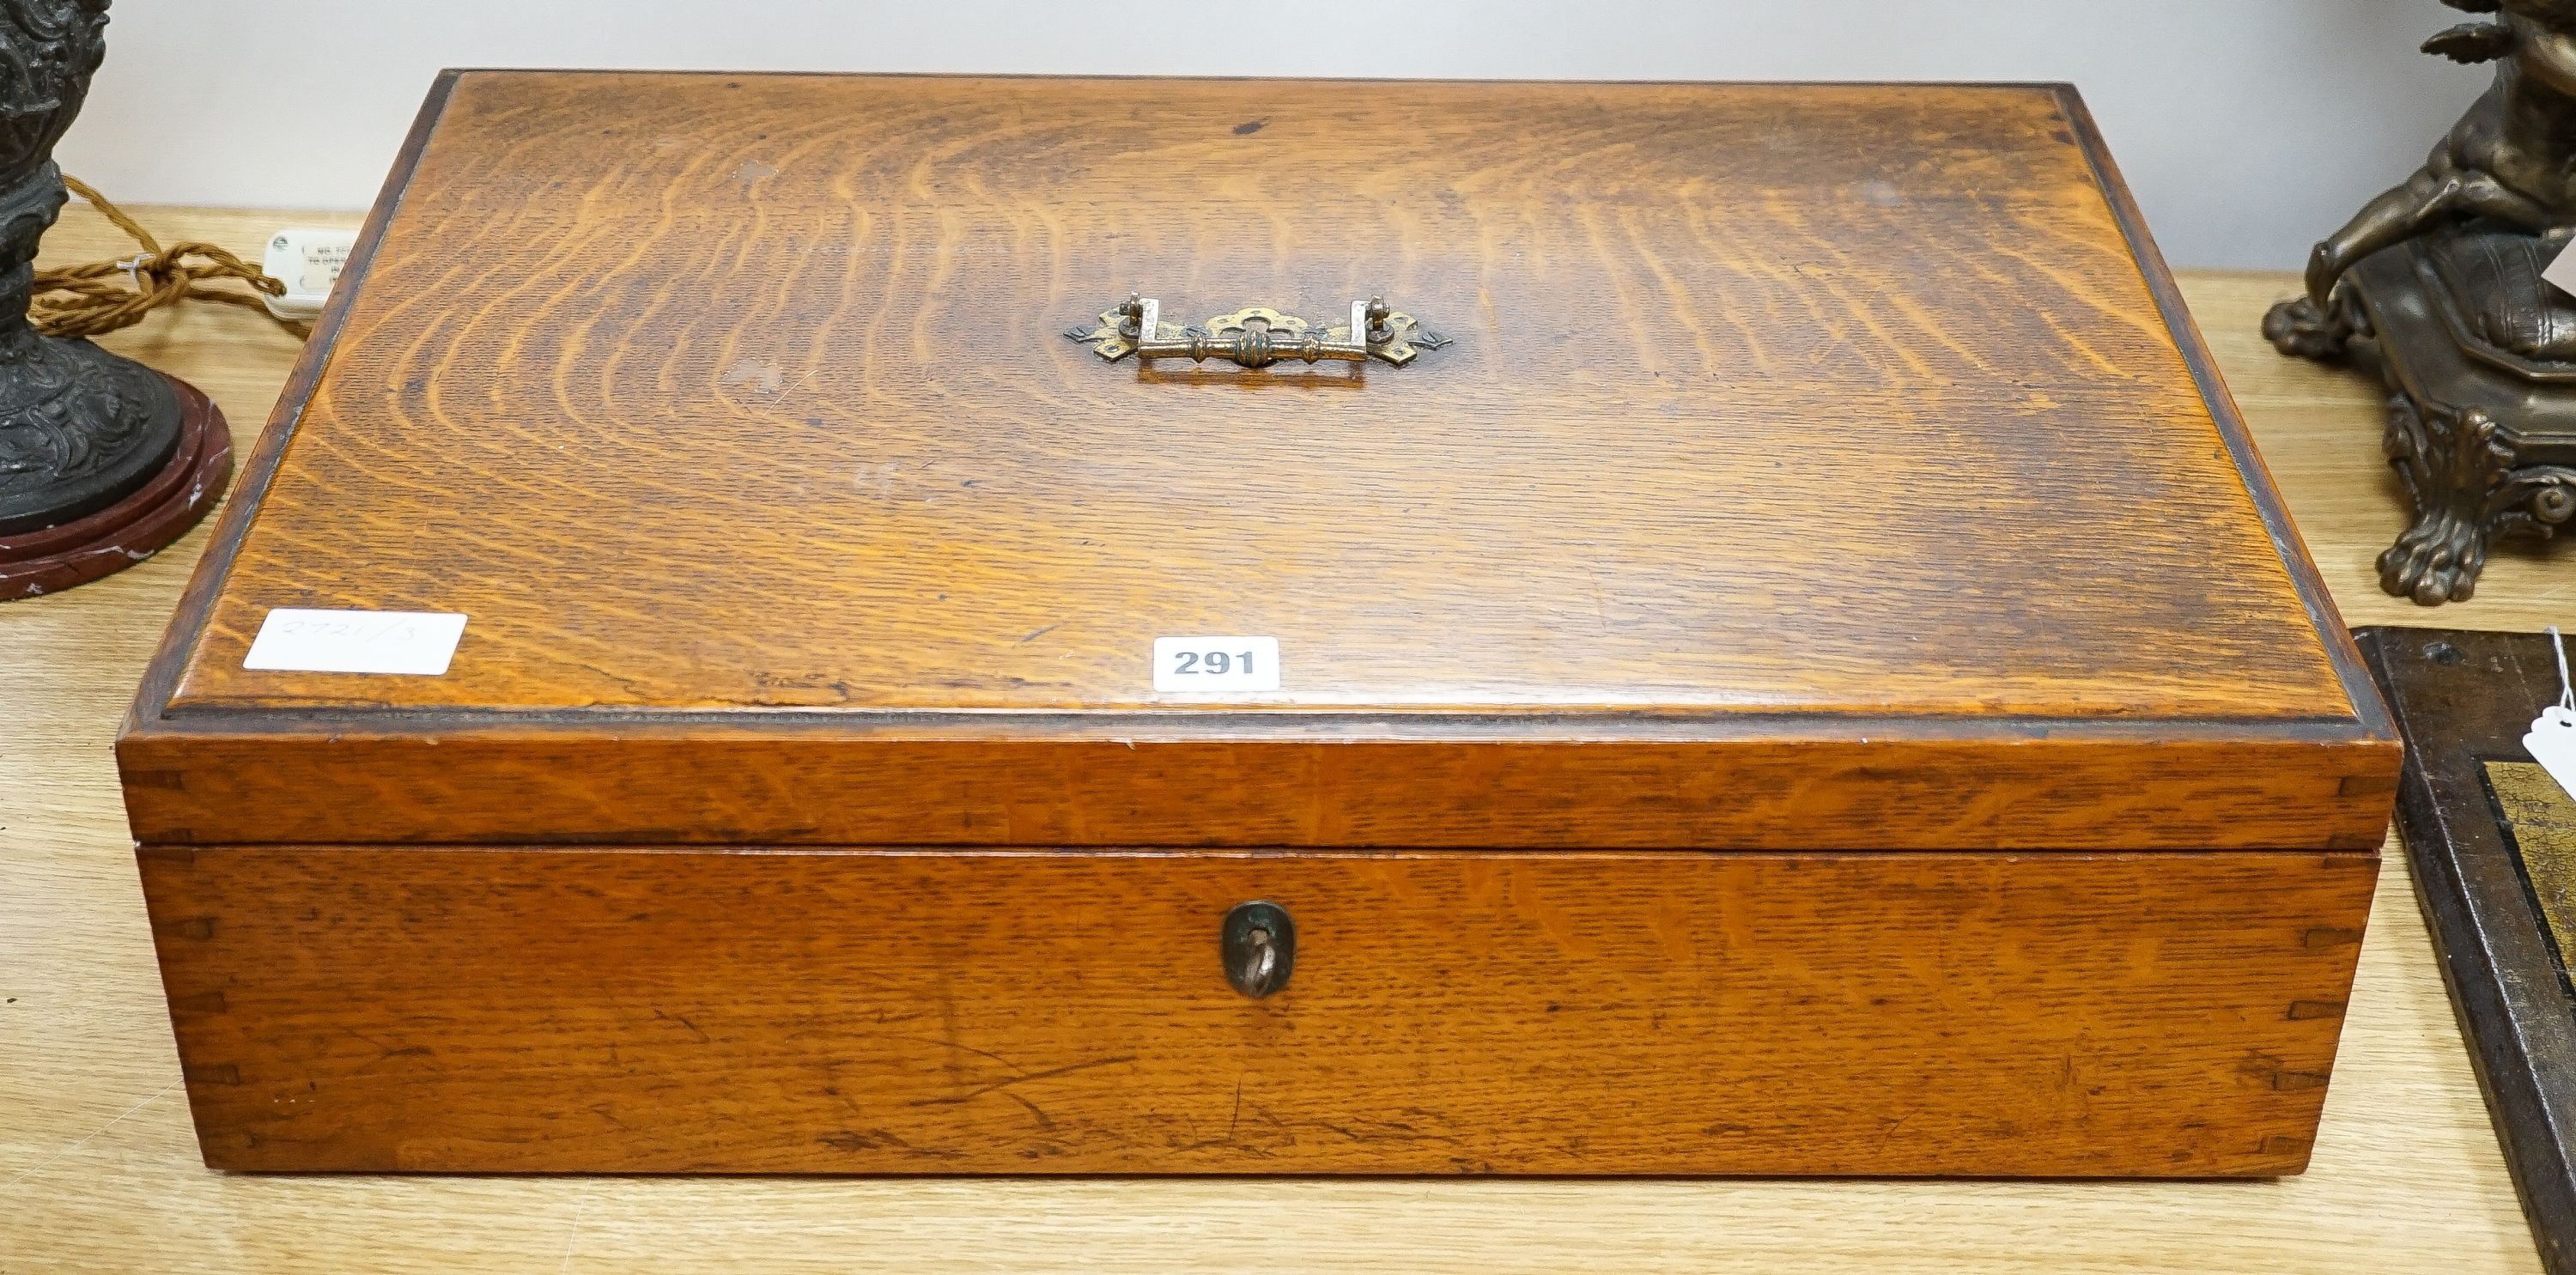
point(1811, 466)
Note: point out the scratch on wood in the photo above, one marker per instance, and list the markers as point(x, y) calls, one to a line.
point(1036, 1112)
point(883, 1139)
point(979, 1091)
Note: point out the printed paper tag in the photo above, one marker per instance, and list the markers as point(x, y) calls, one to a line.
point(308, 262)
point(1216, 665)
point(2561, 273)
point(2552, 743)
point(413, 642)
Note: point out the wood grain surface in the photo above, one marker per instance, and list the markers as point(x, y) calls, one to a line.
point(811, 783)
point(736, 415)
point(99, 1168)
point(837, 1011)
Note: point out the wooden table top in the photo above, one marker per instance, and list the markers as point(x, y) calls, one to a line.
point(99, 1168)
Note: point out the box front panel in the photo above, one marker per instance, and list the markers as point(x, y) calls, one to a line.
point(883, 1011)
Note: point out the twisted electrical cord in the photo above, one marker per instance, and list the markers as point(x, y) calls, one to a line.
point(103, 296)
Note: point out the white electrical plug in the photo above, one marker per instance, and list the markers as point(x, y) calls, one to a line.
point(308, 262)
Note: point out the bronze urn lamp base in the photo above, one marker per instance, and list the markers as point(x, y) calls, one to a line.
point(102, 461)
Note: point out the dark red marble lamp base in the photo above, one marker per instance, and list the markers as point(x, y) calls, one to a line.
point(135, 528)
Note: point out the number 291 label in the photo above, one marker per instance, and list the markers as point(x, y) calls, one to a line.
point(1216, 665)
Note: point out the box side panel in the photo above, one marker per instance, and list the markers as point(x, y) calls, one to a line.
point(849, 1011)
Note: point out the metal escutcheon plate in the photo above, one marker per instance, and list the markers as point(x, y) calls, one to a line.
point(1259, 944)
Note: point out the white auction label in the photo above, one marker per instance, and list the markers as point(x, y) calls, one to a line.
point(2552, 743)
point(308, 261)
point(1216, 665)
point(419, 643)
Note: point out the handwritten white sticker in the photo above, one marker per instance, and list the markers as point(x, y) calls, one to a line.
point(419, 643)
point(1216, 665)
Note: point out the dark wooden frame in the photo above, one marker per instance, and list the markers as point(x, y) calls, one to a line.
point(2462, 699)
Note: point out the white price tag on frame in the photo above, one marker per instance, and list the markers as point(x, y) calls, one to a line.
point(2552, 743)
point(1216, 665)
point(417, 643)
point(2552, 739)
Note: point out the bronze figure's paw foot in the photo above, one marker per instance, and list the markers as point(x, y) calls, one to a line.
point(2436, 561)
point(2298, 328)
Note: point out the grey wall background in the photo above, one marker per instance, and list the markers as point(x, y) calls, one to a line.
point(2249, 128)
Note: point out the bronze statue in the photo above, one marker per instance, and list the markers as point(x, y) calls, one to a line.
point(102, 460)
point(2436, 285)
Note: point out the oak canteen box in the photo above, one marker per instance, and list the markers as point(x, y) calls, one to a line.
point(871, 624)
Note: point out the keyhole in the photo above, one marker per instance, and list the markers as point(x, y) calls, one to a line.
point(1259, 946)
point(1263, 957)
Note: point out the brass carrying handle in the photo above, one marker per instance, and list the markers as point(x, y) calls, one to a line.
point(1260, 336)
